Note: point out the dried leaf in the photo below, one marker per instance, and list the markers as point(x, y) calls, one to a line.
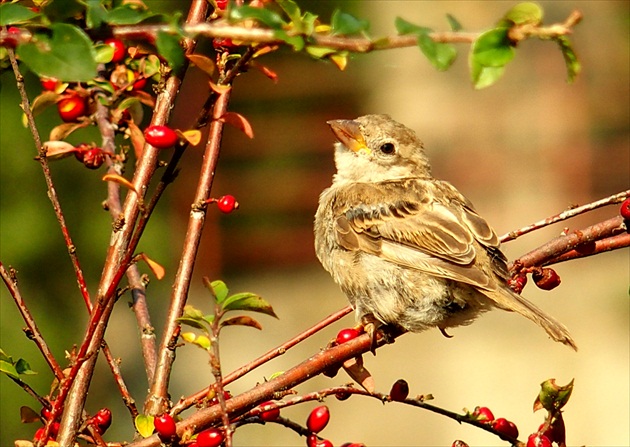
point(28, 415)
point(192, 136)
point(239, 121)
point(56, 150)
point(242, 321)
point(156, 268)
point(202, 62)
point(220, 89)
point(116, 178)
point(144, 97)
point(44, 100)
point(62, 131)
point(355, 369)
point(137, 138)
point(265, 70)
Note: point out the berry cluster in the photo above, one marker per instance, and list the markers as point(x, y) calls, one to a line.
point(100, 422)
point(500, 425)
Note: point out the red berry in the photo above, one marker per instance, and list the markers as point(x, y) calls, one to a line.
point(313, 441)
point(505, 427)
point(220, 43)
point(93, 159)
point(546, 278)
point(227, 204)
point(399, 391)
point(625, 209)
point(54, 429)
point(483, 414)
point(271, 413)
point(46, 413)
point(39, 436)
point(103, 419)
point(161, 137)
point(221, 4)
point(318, 419)
point(49, 84)
point(12, 37)
point(210, 438)
point(347, 334)
point(71, 108)
point(119, 49)
point(517, 283)
point(139, 83)
point(343, 395)
point(165, 426)
point(538, 440)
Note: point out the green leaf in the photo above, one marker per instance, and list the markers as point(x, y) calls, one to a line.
point(248, 301)
point(308, 23)
point(22, 367)
point(483, 76)
point(345, 24)
point(493, 48)
point(95, 14)
point(144, 425)
point(169, 47)
point(319, 52)
point(441, 55)
point(12, 13)
point(8, 369)
point(454, 23)
point(218, 289)
point(60, 10)
point(291, 9)
point(193, 317)
point(264, 16)
point(68, 55)
point(297, 42)
point(570, 58)
point(553, 397)
point(526, 12)
point(242, 321)
point(127, 15)
point(403, 27)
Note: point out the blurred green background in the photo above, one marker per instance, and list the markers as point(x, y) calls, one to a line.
point(521, 150)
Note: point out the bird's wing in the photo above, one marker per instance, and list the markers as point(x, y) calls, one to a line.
point(402, 221)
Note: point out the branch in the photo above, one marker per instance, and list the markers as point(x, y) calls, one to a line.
point(571, 212)
point(33, 331)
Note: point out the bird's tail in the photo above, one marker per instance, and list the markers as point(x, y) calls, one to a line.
point(511, 301)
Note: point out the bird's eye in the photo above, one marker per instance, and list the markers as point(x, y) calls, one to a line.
point(388, 148)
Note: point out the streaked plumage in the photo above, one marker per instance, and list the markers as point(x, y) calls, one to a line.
point(406, 248)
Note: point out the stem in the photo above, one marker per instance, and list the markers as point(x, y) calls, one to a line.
point(572, 212)
point(33, 331)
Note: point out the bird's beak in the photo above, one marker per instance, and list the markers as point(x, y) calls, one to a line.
point(349, 134)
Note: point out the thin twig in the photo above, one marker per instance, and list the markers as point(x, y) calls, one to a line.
point(33, 331)
point(571, 212)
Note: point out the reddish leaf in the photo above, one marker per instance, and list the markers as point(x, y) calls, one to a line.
point(56, 150)
point(137, 138)
point(156, 268)
point(220, 89)
point(145, 98)
point(239, 121)
point(242, 321)
point(204, 63)
point(265, 70)
point(120, 180)
point(28, 415)
point(355, 369)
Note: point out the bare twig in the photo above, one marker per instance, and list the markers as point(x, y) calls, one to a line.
point(571, 212)
point(33, 331)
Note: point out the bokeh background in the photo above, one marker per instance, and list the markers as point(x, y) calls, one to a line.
point(521, 150)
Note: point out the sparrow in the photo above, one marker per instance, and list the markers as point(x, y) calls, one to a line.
point(407, 249)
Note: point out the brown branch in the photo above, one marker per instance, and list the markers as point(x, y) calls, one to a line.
point(594, 248)
point(33, 331)
point(118, 258)
point(571, 212)
point(221, 29)
point(547, 253)
point(193, 399)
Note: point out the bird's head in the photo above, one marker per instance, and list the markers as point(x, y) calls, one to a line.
point(376, 148)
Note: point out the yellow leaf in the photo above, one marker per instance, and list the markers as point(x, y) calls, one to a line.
point(340, 60)
point(192, 136)
point(220, 89)
point(204, 63)
point(156, 268)
point(120, 180)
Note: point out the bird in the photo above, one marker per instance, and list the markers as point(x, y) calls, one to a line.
point(407, 249)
